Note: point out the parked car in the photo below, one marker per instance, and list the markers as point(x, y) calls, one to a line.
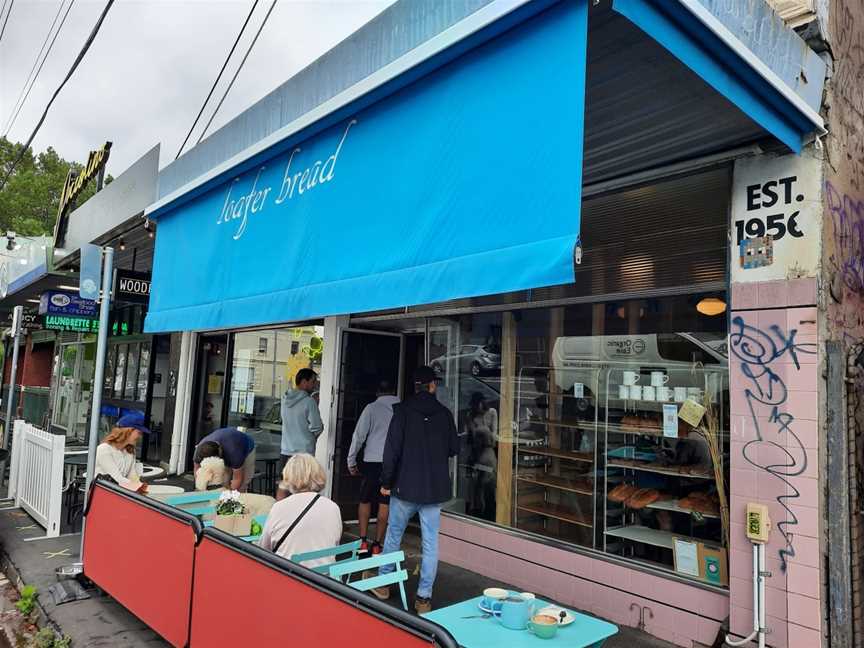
point(475, 358)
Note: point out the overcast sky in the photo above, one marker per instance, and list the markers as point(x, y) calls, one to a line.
point(151, 65)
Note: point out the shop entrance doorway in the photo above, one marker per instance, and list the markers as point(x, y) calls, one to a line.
point(366, 358)
point(369, 356)
point(209, 404)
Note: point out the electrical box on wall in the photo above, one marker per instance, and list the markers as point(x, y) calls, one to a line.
point(758, 523)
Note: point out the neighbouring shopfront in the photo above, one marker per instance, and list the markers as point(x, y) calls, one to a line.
point(557, 249)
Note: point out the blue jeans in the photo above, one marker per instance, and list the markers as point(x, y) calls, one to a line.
point(430, 520)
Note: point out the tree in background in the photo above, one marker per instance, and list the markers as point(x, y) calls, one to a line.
point(30, 199)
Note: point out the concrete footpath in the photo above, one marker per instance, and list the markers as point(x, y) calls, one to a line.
point(101, 622)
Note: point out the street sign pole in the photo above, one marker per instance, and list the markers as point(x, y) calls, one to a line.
point(99, 375)
point(17, 321)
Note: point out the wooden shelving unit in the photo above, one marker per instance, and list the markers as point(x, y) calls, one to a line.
point(557, 512)
point(559, 494)
point(582, 486)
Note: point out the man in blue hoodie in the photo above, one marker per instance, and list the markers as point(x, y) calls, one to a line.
point(301, 421)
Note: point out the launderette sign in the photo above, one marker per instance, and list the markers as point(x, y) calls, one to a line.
point(465, 180)
point(55, 302)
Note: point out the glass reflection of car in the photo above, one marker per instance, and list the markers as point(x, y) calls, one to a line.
point(474, 358)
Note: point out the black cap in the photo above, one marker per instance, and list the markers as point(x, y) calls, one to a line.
point(424, 376)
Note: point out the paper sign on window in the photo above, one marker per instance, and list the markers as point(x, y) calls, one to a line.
point(670, 420)
point(691, 412)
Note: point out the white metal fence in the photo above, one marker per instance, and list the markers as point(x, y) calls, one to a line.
point(36, 474)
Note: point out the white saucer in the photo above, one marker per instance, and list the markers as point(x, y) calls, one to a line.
point(555, 611)
point(484, 609)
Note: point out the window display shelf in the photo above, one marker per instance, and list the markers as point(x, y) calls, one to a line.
point(617, 428)
point(586, 426)
point(660, 470)
point(649, 536)
point(581, 487)
point(672, 505)
point(546, 451)
point(557, 512)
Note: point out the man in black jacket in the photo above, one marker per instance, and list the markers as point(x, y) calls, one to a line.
point(416, 476)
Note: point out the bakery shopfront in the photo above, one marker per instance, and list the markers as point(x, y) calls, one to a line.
point(544, 224)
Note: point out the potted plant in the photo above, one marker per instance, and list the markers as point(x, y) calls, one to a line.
point(231, 514)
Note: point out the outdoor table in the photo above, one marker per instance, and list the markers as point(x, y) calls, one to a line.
point(164, 489)
point(478, 632)
point(152, 472)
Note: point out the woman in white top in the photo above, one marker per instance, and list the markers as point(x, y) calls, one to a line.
point(319, 528)
point(115, 456)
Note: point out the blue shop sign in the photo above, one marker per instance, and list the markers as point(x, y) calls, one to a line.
point(56, 302)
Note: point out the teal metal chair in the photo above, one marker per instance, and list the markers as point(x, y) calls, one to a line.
point(349, 547)
point(399, 576)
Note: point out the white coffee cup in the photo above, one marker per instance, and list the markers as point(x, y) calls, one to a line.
point(648, 393)
point(680, 394)
point(635, 392)
point(623, 392)
point(659, 378)
point(631, 377)
point(663, 393)
point(139, 468)
point(694, 393)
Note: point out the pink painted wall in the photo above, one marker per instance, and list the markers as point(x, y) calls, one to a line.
point(682, 613)
point(774, 378)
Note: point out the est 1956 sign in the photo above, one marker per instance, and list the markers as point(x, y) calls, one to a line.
point(776, 217)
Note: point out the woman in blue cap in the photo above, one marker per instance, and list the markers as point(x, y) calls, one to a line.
point(115, 456)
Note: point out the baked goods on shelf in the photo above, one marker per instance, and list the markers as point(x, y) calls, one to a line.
point(701, 502)
point(622, 492)
point(642, 498)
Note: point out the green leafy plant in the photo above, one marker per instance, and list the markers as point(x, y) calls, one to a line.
point(27, 602)
point(47, 638)
point(230, 504)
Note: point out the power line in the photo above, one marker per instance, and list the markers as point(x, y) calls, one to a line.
point(20, 103)
point(218, 77)
point(3, 30)
point(75, 65)
point(230, 85)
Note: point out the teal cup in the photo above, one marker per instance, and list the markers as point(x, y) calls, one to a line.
point(543, 625)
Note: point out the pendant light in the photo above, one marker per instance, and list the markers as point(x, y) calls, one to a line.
point(711, 306)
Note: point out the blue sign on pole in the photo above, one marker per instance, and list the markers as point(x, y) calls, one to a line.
point(56, 302)
point(91, 271)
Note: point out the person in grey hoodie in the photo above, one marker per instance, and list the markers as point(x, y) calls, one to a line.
point(301, 421)
point(370, 434)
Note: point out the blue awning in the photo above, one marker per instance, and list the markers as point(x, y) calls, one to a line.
point(701, 42)
point(465, 182)
point(457, 176)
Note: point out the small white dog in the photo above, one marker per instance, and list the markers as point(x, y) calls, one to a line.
point(211, 472)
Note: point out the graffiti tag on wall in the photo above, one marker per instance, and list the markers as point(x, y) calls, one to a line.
point(759, 353)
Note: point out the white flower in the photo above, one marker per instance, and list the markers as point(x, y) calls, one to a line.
point(229, 495)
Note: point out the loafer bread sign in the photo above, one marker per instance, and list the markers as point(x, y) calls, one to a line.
point(239, 206)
